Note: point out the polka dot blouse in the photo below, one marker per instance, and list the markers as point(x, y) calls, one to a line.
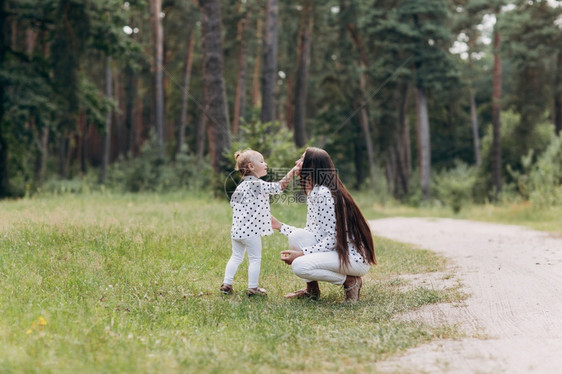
point(251, 214)
point(321, 222)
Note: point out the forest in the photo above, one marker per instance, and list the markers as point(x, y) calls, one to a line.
point(437, 100)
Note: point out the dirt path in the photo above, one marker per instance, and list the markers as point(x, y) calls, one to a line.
point(513, 316)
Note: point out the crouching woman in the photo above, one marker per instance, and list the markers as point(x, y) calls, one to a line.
point(336, 245)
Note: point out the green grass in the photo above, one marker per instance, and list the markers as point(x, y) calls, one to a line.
point(129, 283)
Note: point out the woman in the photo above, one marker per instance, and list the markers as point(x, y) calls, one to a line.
point(336, 246)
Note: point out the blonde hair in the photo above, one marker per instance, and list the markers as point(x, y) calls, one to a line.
point(243, 158)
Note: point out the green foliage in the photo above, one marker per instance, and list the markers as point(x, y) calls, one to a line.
point(271, 139)
point(537, 140)
point(151, 171)
point(454, 186)
point(541, 182)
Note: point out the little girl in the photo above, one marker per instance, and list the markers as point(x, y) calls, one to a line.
point(251, 218)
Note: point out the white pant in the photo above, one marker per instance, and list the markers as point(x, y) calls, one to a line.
point(321, 266)
point(239, 247)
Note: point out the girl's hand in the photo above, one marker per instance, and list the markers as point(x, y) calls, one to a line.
point(298, 166)
point(275, 223)
point(289, 256)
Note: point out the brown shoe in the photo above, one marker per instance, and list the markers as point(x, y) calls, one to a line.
point(226, 289)
point(352, 288)
point(256, 291)
point(312, 291)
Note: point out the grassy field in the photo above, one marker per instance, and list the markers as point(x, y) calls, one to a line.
point(129, 283)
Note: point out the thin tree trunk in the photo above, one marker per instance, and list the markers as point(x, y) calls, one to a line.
point(200, 146)
point(156, 9)
point(82, 127)
point(118, 118)
point(217, 123)
point(558, 96)
point(4, 175)
point(302, 75)
point(364, 121)
point(185, 92)
point(30, 41)
point(402, 145)
point(41, 157)
point(496, 97)
point(363, 117)
point(107, 134)
point(475, 132)
point(424, 147)
point(359, 155)
point(256, 92)
point(290, 103)
point(269, 62)
point(130, 98)
point(64, 148)
point(240, 97)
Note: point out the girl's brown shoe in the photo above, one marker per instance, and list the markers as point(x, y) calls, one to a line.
point(226, 289)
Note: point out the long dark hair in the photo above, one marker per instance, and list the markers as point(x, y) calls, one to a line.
point(318, 169)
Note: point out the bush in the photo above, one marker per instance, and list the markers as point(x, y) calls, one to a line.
point(541, 182)
point(151, 171)
point(454, 186)
point(537, 140)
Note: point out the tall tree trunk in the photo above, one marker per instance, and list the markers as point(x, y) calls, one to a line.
point(558, 96)
point(41, 156)
point(269, 62)
point(130, 99)
point(64, 150)
point(82, 129)
point(4, 175)
point(256, 92)
point(359, 155)
point(240, 97)
point(475, 132)
point(107, 134)
point(424, 147)
point(218, 125)
point(473, 110)
point(185, 91)
point(401, 148)
point(496, 97)
point(364, 122)
point(30, 41)
point(200, 145)
point(363, 115)
point(120, 132)
point(290, 103)
point(302, 74)
point(156, 9)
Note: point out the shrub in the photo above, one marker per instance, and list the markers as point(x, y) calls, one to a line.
point(454, 186)
point(541, 182)
point(537, 140)
point(151, 171)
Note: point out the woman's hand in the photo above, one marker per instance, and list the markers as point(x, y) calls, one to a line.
point(275, 223)
point(289, 256)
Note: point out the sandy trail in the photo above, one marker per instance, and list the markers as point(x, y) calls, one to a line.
point(513, 316)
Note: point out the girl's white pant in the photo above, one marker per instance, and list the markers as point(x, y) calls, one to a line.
point(321, 266)
point(239, 247)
